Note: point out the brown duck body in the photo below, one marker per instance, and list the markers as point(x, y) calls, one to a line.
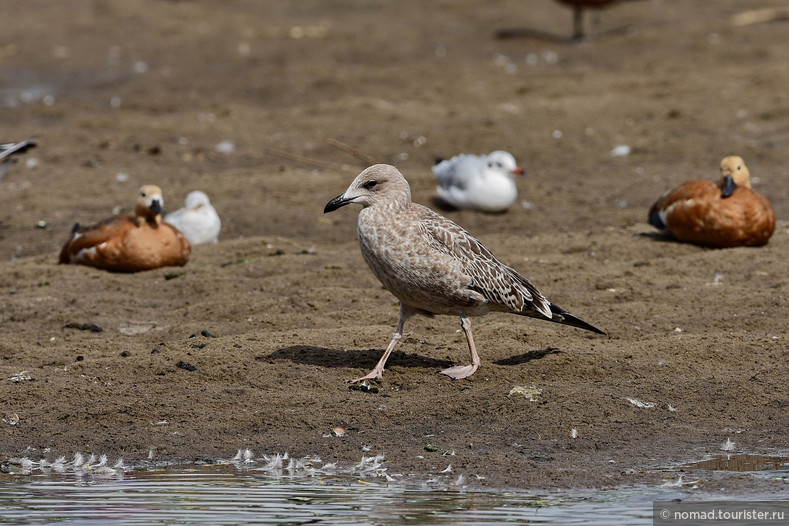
point(122, 245)
point(696, 212)
point(125, 243)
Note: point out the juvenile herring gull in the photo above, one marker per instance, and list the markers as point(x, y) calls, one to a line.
point(433, 266)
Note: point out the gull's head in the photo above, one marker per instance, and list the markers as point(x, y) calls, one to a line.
point(504, 162)
point(196, 199)
point(380, 183)
point(150, 205)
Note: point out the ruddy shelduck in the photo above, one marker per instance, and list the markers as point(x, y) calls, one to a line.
point(125, 243)
point(726, 214)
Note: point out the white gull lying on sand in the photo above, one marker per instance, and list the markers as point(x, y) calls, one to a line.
point(480, 182)
point(433, 266)
point(197, 220)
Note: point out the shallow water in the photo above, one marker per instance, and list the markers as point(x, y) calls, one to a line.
point(212, 496)
point(278, 490)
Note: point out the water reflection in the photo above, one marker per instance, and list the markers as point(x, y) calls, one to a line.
point(741, 462)
point(214, 495)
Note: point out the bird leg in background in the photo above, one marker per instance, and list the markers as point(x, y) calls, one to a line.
point(462, 371)
point(378, 370)
point(578, 23)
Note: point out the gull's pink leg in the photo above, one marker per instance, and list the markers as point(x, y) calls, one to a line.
point(464, 371)
point(378, 370)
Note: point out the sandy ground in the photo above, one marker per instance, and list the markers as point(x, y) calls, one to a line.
point(125, 93)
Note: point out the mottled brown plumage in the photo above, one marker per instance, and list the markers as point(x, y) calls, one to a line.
point(723, 214)
point(432, 265)
point(125, 243)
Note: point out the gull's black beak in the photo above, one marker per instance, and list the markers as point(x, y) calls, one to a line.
point(728, 187)
point(337, 202)
point(156, 207)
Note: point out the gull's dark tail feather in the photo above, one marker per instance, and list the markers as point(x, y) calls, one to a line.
point(562, 316)
point(10, 148)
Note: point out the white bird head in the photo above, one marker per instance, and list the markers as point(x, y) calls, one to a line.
point(503, 161)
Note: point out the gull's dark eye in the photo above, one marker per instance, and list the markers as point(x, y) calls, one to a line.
point(369, 185)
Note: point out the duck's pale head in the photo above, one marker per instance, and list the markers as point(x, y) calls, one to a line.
point(734, 167)
point(150, 204)
point(733, 173)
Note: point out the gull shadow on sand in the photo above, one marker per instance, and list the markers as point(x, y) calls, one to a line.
point(531, 34)
point(352, 358)
point(528, 356)
point(442, 205)
point(536, 34)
